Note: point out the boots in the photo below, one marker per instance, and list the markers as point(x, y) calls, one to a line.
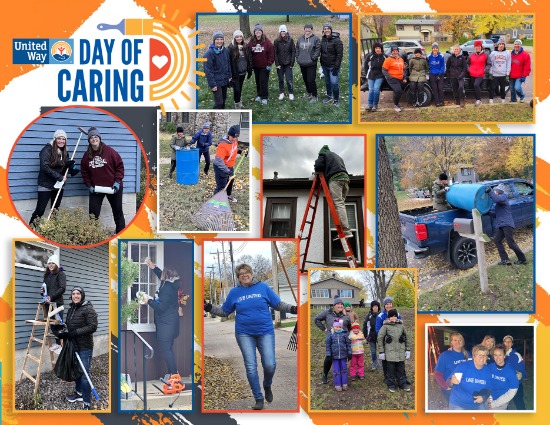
point(238, 105)
point(457, 101)
point(462, 104)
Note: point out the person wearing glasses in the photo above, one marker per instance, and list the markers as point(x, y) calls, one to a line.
point(251, 300)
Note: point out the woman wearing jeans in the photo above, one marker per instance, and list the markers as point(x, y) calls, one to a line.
point(373, 70)
point(332, 52)
point(519, 71)
point(254, 330)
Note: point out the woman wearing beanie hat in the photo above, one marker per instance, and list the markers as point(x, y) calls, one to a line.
point(477, 63)
point(308, 50)
point(519, 71)
point(324, 321)
point(251, 301)
point(353, 316)
point(387, 305)
point(439, 193)
point(177, 142)
point(226, 155)
point(418, 72)
point(263, 56)
point(332, 53)
point(217, 69)
point(500, 61)
point(82, 323)
point(101, 165)
point(285, 54)
point(369, 330)
point(372, 67)
point(436, 64)
point(394, 71)
point(56, 283)
point(51, 177)
point(240, 57)
point(203, 140)
point(338, 348)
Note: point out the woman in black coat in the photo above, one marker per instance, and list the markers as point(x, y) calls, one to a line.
point(56, 283)
point(165, 305)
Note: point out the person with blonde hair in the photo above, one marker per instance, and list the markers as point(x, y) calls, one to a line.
point(448, 361)
point(489, 341)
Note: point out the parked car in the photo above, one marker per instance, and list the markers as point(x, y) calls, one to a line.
point(496, 37)
point(428, 232)
point(408, 46)
point(488, 46)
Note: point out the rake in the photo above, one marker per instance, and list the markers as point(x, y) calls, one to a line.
point(215, 214)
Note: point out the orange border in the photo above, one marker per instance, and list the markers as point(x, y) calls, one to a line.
point(365, 209)
point(300, 342)
point(144, 158)
point(14, 365)
point(417, 389)
point(357, 83)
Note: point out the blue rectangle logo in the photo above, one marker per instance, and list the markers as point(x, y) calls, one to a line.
point(34, 51)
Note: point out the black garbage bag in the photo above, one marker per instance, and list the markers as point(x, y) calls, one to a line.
point(60, 331)
point(67, 367)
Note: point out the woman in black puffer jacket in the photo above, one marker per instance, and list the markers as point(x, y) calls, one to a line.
point(56, 283)
point(82, 323)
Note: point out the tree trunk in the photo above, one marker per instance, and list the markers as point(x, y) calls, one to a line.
point(391, 250)
point(244, 23)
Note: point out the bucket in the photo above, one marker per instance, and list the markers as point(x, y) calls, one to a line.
point(187, 166)
point(469, 196)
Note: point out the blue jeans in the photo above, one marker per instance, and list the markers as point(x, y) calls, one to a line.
point(374, 91)
point(331, 82)
point(373, 355)
point(82, 384)
point(266, 346)
point(515, 89)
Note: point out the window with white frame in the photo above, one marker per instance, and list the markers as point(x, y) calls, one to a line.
point(335, 253)
point(320, 293)
point(146, 281)
point(346, 293)
point(33, 255)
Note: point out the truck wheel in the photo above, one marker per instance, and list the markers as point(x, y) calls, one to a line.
point(425, 96)
point(464, 253)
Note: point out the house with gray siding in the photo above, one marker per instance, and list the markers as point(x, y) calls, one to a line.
point(285, 293)
point(323, 292)
point(24, 163)
point(87, 268)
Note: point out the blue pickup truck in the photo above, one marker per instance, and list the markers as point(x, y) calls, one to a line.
point(428, 232)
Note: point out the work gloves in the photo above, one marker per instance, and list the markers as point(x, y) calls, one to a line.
point(268, 68)
point(488, 189)
point(72, 334)
point(402, 338)
point(522, 79)
point(407, 355)
point(116, 187)
point(230, 172)
point(207, 306)
point(294, 310)
point(92, 189)
point(382, 356)
point(334, 71)
point(388, 339)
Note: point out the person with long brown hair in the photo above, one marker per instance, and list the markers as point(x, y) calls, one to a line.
point(448, 361)
point(53, 163)
point(489, 342)
point(56, 283)
point(240, 58)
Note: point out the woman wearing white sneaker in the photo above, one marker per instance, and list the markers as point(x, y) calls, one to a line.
point(500, 61)
point(263, 56)
point(394, 71)
point(285, 54)
point(56, 282)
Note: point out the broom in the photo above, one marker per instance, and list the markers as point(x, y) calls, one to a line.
point(215, 214)
point(293, 343)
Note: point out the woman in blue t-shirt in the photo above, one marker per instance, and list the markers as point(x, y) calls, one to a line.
point(448, 360)
point(254, 330)
point(504, 383)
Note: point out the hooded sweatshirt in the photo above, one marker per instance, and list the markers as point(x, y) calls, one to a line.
point(501, 62)
point(83, 318)
point(226, 154)
point(104, 168)
point(263, 52)
point(373, 65)
point(436, 63)
point(476, 64)
point(521, 64)
point(331, 165)
point(395, 67)
point(308, 50)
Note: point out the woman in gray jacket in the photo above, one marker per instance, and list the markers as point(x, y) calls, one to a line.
point(308, 50)
point(500, 61)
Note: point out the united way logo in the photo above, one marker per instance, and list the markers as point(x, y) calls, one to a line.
point(61, 51)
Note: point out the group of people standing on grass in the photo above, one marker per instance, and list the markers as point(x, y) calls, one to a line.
point(489, 377)
point(383, 330)
point(229, 66)
point(500, 66)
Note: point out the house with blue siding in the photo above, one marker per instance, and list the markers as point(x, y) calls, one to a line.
point(88, 268)
point(24, 163)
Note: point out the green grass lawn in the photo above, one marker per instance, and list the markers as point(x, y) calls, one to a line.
point(298, 110)
point(368, 394)
point(510, 289)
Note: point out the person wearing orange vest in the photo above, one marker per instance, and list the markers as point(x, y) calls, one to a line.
point(226, 154)
point(394, 71)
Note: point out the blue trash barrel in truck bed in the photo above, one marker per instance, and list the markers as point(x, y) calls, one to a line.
point(187, 166)
point(469, 196)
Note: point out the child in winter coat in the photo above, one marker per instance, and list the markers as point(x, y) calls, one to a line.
point(338, 346)
point(357, 340)
point(393, 347)
point(369, 330)
point(177, 142)
point(418, 71)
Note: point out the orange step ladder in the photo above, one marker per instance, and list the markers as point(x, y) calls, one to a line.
point(320, 183)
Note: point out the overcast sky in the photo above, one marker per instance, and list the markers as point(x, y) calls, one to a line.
point(294, 156)
point(240, 248)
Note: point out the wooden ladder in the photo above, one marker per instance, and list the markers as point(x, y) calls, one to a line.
point(37, 323)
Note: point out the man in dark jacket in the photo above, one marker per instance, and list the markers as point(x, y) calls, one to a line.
point(332, 52)
point(203, 139)
point(82, 323)
point(439, 192)
point(505, 225)
point(369, 330)
point(334, 169)
point(218, 69)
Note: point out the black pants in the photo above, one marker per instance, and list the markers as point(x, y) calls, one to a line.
point(167, 354)
point(477, 87)
point(261, 75)
point(498, 87)
point(395, 85)
point(416, 88)
point(221, 180)
point(94, 207)
point(458, 88)
point(206, 155)
point(172, 166)
point(327, 364)
point(220, 96)
point(395, 374)
point(309, 74)
point(285, 72)
point(507, 233)
point(238, 88)
point(518, 398)
point(42, 203)
point(437, 83)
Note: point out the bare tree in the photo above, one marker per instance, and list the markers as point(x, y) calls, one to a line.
point(391, 250)
point(378, 282)
point(244, 24)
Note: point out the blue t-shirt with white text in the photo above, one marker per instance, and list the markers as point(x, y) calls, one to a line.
point(448, 360)
point(503, 379)
point(473, 380)
point(252, 306)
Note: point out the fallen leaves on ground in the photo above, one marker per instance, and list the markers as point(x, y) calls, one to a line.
point(221, 385)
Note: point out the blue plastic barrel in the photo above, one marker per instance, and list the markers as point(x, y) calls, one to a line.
point(469, 196)
point(187, 166)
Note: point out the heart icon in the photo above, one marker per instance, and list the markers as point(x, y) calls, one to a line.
point(160, 61)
